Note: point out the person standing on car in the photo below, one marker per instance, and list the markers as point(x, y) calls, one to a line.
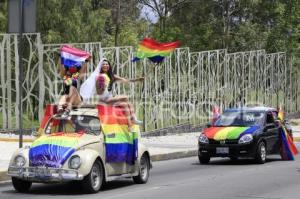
point(72, 68)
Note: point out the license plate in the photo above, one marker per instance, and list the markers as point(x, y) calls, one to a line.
point(42, 172)
point(222, 150)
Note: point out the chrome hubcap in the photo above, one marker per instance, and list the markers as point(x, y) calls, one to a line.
point(263, 152)
point(95, 177)
point(144, 168)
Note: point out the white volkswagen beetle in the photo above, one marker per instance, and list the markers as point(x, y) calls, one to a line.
point(74, 149)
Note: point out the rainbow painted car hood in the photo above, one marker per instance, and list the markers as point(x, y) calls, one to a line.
point(228, 133)
point(54, 149)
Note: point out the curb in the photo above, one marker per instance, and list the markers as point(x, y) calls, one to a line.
point(15, 140)
point(4, 176)
point(296, 139)
point(174, 155)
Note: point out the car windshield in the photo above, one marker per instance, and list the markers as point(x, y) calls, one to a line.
point(74, 124)
point(240, 118)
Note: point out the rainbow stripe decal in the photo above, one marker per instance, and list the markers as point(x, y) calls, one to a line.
point(121, 145)
point(228, 133)
point(154, 50)
point(53, 150)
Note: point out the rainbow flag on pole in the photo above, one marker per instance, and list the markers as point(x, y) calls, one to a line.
point(71, 56)
point(121, 144)
point(155, 51)
point(288, 148)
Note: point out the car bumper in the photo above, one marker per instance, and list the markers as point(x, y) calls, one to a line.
point(41, 174)
point(227, 150)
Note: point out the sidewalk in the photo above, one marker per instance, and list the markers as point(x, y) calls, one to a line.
point(160, 147)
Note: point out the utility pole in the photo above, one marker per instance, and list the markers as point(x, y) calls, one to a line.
point(20, 48)
point(21, 19)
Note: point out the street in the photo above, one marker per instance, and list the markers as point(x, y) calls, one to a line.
point(186, 178)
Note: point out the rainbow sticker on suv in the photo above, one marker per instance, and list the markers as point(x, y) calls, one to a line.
point(228, 133)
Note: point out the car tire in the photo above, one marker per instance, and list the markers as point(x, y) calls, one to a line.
point(144, 170)
point(93, 182)
point(233, 158)
point(203, 159)
point(20, 185)
point(261, 153)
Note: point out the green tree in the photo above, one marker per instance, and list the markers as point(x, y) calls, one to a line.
point(3, 16)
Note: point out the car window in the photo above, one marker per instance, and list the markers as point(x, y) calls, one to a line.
point(74, 124)
point(240, 118)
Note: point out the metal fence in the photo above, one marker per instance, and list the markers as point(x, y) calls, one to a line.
point(183, 89)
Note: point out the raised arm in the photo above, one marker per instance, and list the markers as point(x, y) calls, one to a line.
point(124, 80)
point(82, 71)
point(61, 68)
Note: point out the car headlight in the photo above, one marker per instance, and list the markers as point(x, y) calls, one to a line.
point(203, 139)
point(74, 162)
point(246, 139)
point(20, 161)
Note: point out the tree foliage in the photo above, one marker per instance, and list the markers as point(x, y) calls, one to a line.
point(3, 14)
point(237, 25)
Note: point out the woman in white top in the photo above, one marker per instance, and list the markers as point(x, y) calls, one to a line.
point(101, 81)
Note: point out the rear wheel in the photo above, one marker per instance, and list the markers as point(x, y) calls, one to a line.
point(261, 153)
point(203, 159)
point(21, 185)
point(143, 176)
point(92, 183)
point(233, 158)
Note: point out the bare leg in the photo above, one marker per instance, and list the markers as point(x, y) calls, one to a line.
point(74, 98)
point(63, 102)
point(129, 111)
point(118, 98)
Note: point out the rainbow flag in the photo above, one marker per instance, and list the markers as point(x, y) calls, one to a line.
point(288, 148)
point(121, 145)
point(155, 51)
point(280, 114)
point(224, 133)
point(54, 149)
point(70, 56)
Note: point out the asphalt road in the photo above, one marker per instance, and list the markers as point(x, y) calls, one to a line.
point(186, 178)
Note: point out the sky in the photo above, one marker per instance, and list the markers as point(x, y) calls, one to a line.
point(148, 14)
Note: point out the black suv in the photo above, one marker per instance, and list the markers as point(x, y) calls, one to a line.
point(242, 132)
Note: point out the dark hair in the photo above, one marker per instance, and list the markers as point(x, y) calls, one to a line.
point(110, 75)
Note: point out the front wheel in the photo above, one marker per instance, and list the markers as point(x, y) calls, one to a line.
point(21, 185)
point(144, 170)
point(261, 153)
point(203, 159)
point(92, 183)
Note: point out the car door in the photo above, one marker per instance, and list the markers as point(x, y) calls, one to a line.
point(271, 132)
